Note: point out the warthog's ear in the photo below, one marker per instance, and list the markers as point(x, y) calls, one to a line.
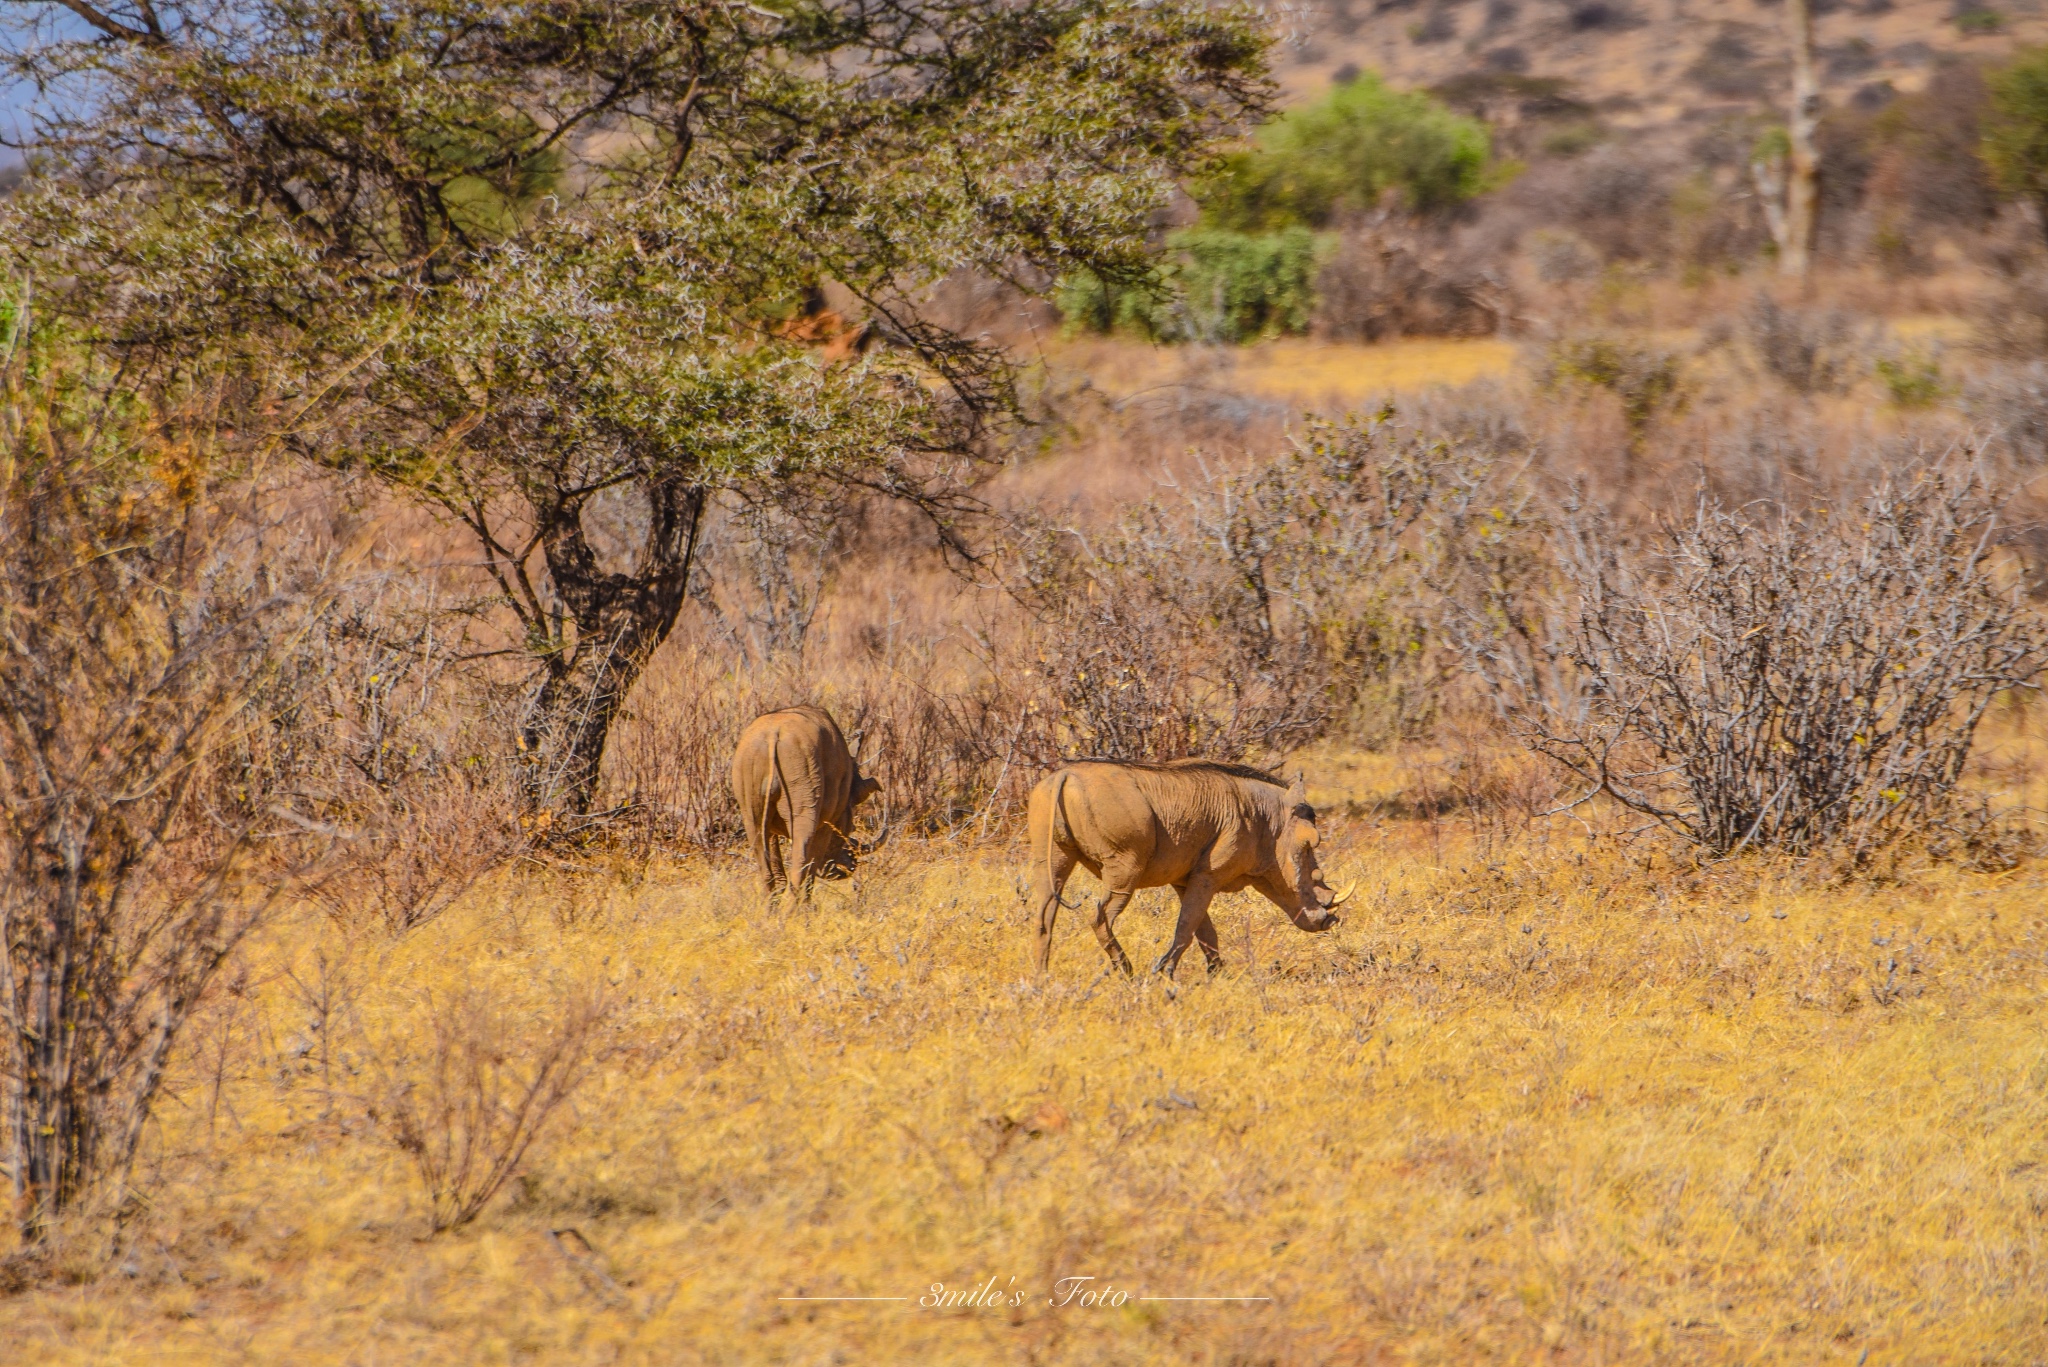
point(863, 789)
point(1297, 793)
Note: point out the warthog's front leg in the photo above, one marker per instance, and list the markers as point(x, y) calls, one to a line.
point(1205, 936)
point(1194, 922)
point(1106, 912)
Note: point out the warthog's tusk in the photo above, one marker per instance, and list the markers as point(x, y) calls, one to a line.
point(1341, 897)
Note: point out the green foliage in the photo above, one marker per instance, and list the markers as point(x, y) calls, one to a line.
point(1646, 380)
point(2015, 144)
point(1217, 286)
point(1912, 380)
point(1980, 20)
point(1773, 144)
point(1358, 145)
point(1088, 303)
point(1238, 286)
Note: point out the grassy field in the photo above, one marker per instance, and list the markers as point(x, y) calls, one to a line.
point(1533, 1101)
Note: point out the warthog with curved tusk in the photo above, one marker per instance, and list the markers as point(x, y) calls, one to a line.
point(1197, 826)
point(796, 780)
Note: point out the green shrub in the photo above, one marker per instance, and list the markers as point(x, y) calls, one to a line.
point(1218, 286)
point(1240, 286)
point(2015, 144)
point(1088, 303)
point(1913, 381)
point(1360, 143)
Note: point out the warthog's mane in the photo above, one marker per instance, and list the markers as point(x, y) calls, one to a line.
point(1202, 766)
point(1183, 766)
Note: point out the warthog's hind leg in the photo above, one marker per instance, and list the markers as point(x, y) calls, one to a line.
point(1106, 912)
point(1049, 883)
point(803, 841)
point(773, 878)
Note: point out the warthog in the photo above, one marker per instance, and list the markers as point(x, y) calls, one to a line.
point(1193, 825)
point(796, 780)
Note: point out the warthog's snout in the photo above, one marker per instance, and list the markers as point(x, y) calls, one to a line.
point(1324, 901)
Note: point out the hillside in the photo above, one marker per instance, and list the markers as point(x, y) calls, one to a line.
point(1649, 65)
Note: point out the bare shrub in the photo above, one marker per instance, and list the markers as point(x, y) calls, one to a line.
point(1756, 678)
point(1647, 380)
point(2012, 320)
point(1241, 619)
point(1727, 67)
point(1812, 350)
point(1561, 257)
point(418, 850)
point(148, 813)
point(468, 1102)
point(765, 569)
point(1618, 200)
point(398, 729)
point(1380, 281)
point(2013, 405)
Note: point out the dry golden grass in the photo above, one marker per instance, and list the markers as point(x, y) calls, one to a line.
point(1582, 1105)
point(1290, 368)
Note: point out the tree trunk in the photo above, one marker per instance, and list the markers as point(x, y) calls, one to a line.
point(620, 621)
point(1802, 172)
point(55, 1134)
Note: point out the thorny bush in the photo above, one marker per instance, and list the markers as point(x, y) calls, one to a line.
point(1786, 680)
point(150, 809)
point(1242, 615)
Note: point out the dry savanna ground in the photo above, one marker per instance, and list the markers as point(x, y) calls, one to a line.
point(1537, 1099)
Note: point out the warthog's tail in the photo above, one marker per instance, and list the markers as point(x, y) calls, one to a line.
point(1052, 832)
point(775, 780)
point(1047, 911)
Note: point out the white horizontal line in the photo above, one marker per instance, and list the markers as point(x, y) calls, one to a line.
point(1205, 1298)
point(842, 1298)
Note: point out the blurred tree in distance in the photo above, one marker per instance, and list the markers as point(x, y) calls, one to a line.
point(1361, 143)
point(1248, 269)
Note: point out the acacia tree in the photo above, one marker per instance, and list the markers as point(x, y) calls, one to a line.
point(515, 254)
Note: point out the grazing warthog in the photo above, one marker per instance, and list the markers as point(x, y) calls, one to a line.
point(1193, 825)
point(796, 780)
